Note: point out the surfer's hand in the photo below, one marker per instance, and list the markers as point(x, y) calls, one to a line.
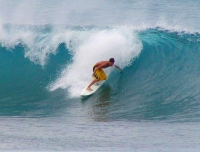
point(120, 69)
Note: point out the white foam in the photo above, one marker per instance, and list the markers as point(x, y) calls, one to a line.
point(95, 46)
point(37, 43)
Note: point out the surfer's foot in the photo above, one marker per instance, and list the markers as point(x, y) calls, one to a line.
point(89, 89)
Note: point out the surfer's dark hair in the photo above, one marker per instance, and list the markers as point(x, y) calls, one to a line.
point(112, 60)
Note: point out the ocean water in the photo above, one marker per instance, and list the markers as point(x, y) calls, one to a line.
point(48, 49)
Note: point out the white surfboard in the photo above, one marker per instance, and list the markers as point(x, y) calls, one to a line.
point(94, 88)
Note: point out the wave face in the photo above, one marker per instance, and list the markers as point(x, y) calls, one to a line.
point(48, 50)
point(160, 78)
point(163, 82)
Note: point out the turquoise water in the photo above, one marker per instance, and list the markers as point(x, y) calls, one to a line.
point(48, 49)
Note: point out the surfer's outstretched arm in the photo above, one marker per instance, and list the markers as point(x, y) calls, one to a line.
point(118, 67)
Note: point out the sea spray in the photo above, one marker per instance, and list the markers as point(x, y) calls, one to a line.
point(97, 45)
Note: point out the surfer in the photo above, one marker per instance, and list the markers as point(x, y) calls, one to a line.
point(98, 72)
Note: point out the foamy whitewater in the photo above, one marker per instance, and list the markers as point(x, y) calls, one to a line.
point(48, 49)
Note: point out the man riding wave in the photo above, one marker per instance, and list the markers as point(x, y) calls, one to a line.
point(98, 72)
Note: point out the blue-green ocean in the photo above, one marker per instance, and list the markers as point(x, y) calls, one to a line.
point(48, 49)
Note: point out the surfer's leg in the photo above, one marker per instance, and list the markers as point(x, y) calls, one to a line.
point(93, 82)
point(97, 78)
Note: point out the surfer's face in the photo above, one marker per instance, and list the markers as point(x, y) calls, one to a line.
point(112, 63)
